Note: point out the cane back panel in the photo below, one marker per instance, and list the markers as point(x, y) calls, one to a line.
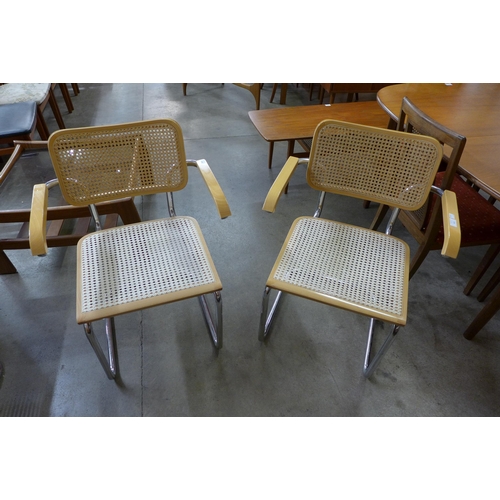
point(374, 164)
point(105, 163)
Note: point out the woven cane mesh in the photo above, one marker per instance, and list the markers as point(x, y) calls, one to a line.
point(393, 168)
point(345, 263)
point(98, 164)
point(141, 261)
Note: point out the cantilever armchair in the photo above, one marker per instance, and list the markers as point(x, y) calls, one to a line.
point(346, 266)
point(140, 265)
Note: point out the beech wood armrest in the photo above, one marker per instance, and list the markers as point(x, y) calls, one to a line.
point(213, 186)
point(451, 224)
point(281, 182)
point(38, 218)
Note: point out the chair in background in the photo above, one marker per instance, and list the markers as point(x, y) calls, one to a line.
point(17, 122)
point(184, 88)
point(135, 266)
point(254, 89)
point(346, 266)
point(479, 219)
point(351, 89)
point(284, 89)
point(41, 93)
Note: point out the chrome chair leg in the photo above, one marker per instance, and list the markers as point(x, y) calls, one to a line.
point(265, 320)
point(369, 367)
point(110, 364)
point(215, 327)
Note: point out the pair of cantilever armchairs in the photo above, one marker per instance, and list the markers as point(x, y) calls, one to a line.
point(135, 266)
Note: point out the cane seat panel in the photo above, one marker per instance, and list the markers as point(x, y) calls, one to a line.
point(141, 265)
point(347, 266)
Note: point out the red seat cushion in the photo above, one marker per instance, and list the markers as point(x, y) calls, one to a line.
point(479, 219)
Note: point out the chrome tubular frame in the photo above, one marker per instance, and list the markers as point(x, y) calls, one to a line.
point(265, 320)
point(369, 367)
point(215, 328)
point(392, 220)
point(95, 215)
point(170, 201)
point(110, 364)
point(321, 202)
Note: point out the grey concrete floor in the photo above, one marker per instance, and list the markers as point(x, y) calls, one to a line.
point(312, 363)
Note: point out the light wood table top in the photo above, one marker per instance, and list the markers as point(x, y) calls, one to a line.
point(471, 109)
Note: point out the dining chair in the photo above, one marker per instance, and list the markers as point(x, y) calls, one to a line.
point(17, 122)
point(479, 219)
point(41, 93)
point(134, 266)
point(347, 266)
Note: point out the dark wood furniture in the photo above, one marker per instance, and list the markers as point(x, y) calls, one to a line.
point(485, 314)
point(17, 123)
point(348, 88)
point(473, 110)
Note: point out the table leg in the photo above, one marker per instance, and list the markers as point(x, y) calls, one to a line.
point(284, 88)
point(271, 150)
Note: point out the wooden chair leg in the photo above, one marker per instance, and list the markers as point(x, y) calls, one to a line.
point(311, 88)
point(66, 97)
point(273, 93)
point(379, 216)
point(41, 125)
point(76, 88)
point(6, 266)
point(490, 286)
point(284, 89)
point(485, 263)
point(486, 313)
point(55, 109)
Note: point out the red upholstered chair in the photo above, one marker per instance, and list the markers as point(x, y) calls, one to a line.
point(479, 219)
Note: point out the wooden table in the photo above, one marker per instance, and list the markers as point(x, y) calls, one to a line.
point(298, 123)
point(471, 109)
